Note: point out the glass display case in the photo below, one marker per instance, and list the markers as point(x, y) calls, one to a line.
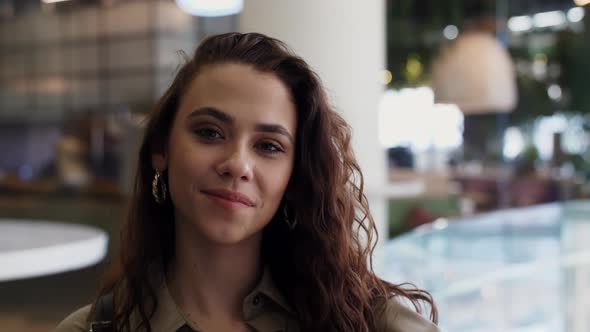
point(525, 269)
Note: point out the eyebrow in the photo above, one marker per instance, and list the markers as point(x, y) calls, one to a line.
point(277, 129)
point(211, 111)
point(226, 118)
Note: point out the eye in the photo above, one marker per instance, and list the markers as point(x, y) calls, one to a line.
point(209, 133)
point(270, 147)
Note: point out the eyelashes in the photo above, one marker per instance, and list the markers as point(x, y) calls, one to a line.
point(212, 135)
point(209, 133)
point(270, 147)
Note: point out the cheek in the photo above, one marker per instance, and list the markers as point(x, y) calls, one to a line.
point(186, 167)
point(186, 155)
point(275, 184)
point(188, 163)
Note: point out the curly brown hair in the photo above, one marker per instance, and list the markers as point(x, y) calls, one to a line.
point(328, 254)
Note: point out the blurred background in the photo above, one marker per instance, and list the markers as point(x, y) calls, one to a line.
point(471, 122)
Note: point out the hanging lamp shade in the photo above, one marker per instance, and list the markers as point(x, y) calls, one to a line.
point(211, 8)
point(477, 74)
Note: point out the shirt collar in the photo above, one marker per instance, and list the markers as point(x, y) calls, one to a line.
point(169, 318)
point(267, 287)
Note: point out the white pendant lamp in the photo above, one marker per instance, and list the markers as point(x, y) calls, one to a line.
point(477, 74)
point(211, 8)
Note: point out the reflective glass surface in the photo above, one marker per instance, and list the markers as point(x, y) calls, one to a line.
point(524, 269)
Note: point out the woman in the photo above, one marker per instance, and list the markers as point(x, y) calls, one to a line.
point(246, 215)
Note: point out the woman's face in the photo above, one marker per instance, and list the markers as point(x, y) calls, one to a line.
point(230, 152)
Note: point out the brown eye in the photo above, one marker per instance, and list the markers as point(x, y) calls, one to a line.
point(269, 147)
point(209, 133)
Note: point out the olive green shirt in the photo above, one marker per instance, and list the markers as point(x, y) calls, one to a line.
point(264, 310)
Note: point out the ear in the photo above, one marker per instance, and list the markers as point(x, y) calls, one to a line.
point(159, 162)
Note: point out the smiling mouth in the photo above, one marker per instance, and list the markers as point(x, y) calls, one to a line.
point(229, 198)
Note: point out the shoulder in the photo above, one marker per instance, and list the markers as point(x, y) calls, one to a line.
point(75, 322)
point(393, 316)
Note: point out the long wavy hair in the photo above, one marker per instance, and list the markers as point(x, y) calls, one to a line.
point(323, 266)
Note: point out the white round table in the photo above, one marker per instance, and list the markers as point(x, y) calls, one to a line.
point(31, 248)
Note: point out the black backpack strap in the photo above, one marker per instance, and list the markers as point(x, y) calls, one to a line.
point(104, 315)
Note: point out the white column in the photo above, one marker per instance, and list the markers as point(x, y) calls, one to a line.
point(344, 42)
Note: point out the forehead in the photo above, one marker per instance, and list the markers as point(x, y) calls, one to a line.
point(241, 91)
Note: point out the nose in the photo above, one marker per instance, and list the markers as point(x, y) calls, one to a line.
point(236, 164)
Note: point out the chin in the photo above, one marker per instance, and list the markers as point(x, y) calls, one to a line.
point(227, 235)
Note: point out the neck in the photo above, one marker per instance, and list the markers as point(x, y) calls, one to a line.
point(211, 280)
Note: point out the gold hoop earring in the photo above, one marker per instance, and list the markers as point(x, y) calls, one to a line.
point(159, 188)
point(290, 223)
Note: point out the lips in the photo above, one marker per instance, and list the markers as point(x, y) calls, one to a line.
point(231, 196)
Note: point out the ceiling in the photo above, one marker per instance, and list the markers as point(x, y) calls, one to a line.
point(429, 9)
point(11, 8)
point(422, 10)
